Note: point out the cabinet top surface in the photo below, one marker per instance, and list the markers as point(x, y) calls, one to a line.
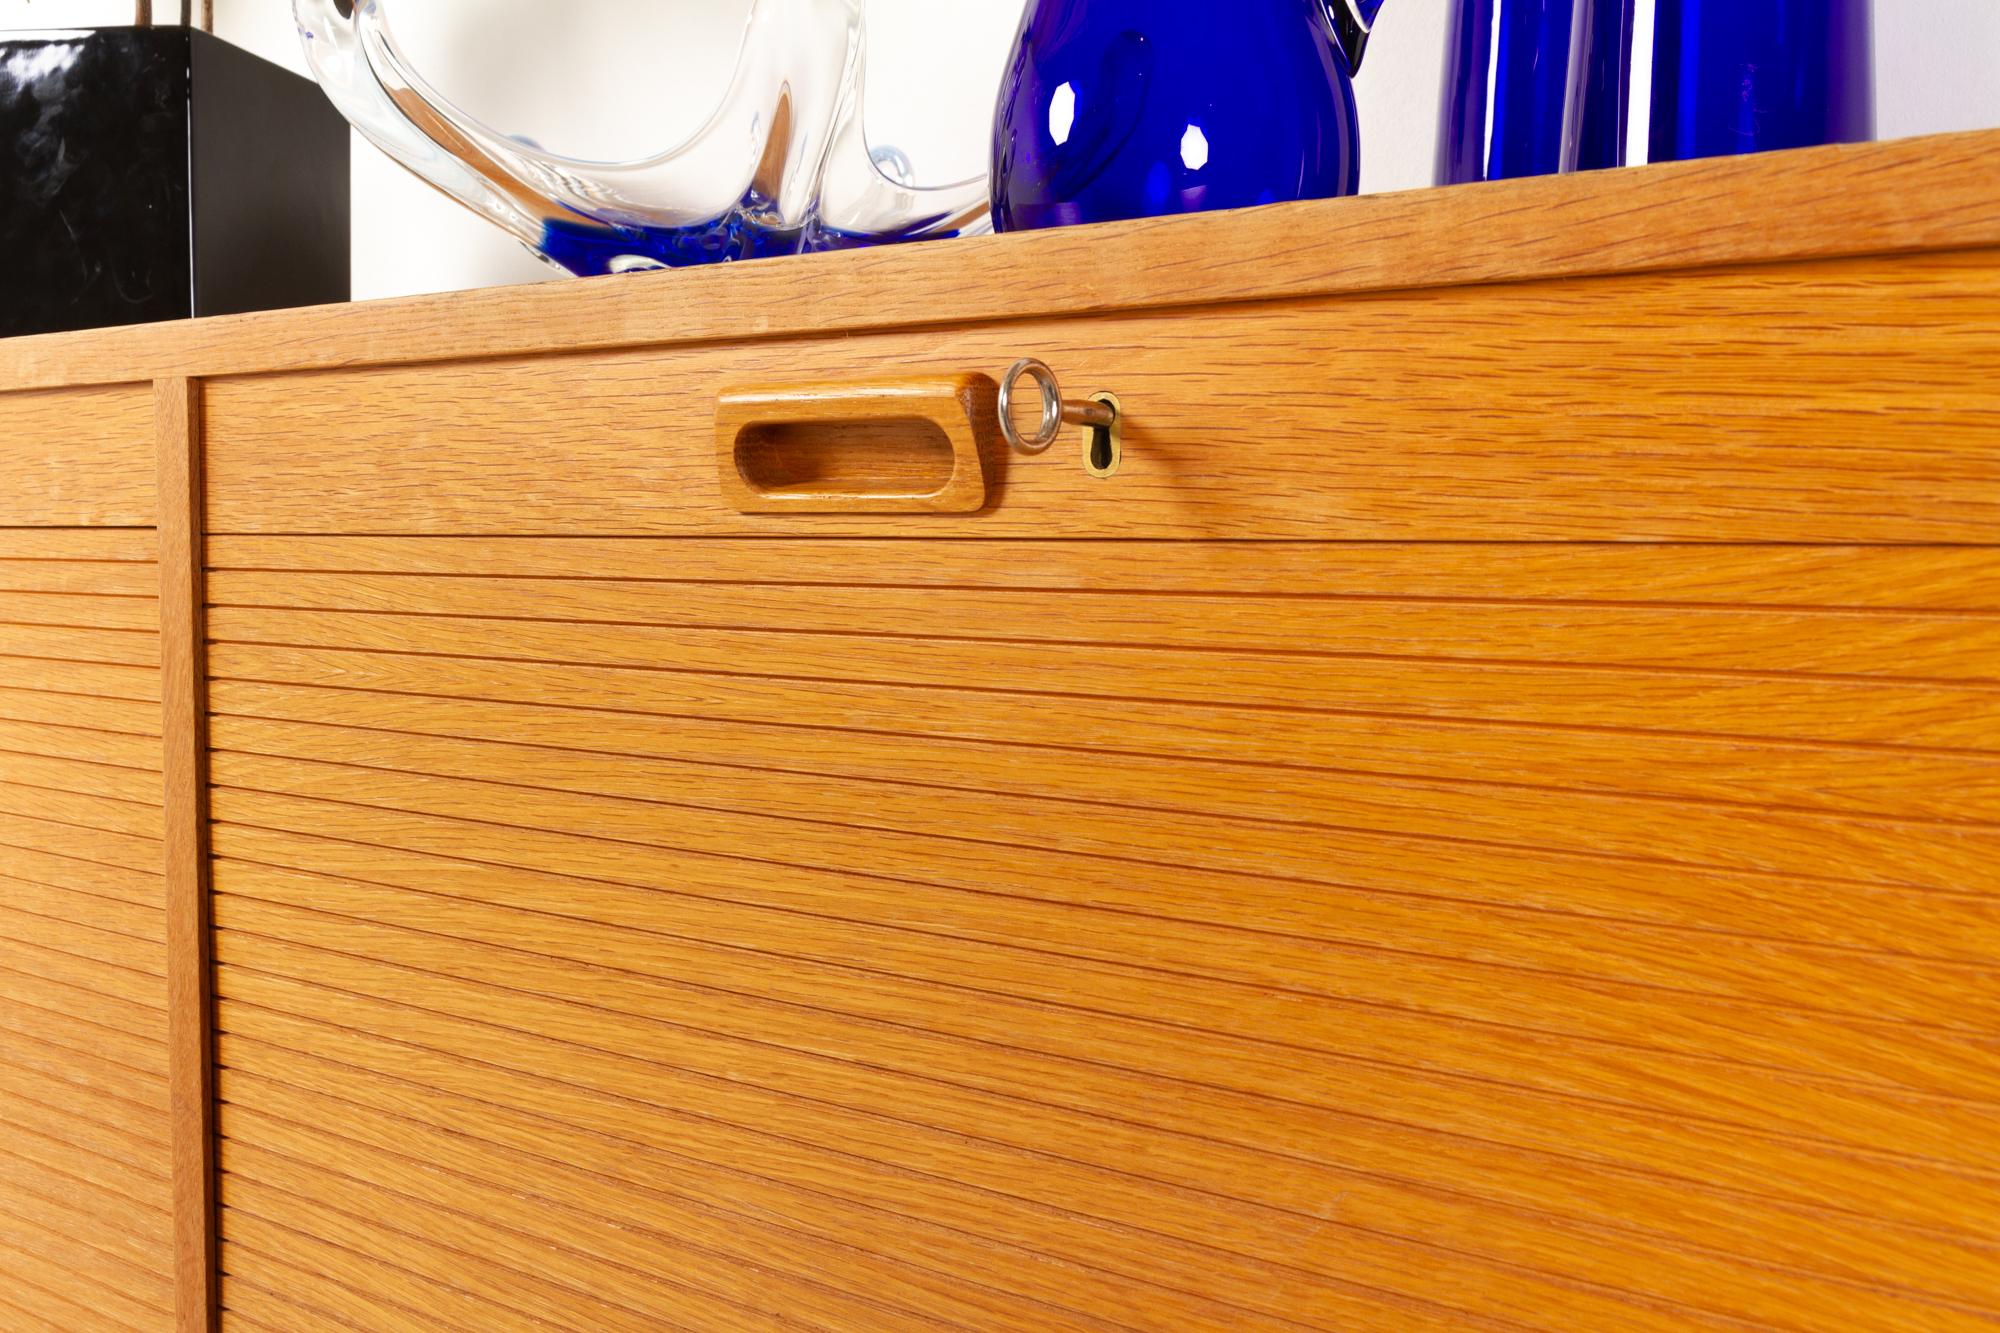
point(1928, 194)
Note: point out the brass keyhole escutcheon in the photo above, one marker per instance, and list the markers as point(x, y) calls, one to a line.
point(1104, 445)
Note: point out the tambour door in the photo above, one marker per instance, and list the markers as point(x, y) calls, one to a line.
point(85, 1196)
point(1485, 820)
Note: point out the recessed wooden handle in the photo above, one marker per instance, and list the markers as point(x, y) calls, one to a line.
point(887, 447)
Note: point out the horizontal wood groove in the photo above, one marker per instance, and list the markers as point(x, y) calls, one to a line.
point(567, 1267)
point(1956, 796)
point(55, 870)
point(843, 1030)
point(1535, 1211)
point(1711, 637)
point(110, 1160)
point(855, 1271)
point(308, 1266)
point(651, 979)
point(660, 1168)
point(1221, 1067)
point(338, 672)
point(1251, 929)
point(1736, 574)
point(846, 1262)
point(630, 818)
point(56, 708)
point(1708, 1043)
point(142, 757)
point(775, 723)
point(399, 1111)
point(49, 897)
point(1929, 193)
point(290, 579)
point(54, 1064)
point(227, 965)
point(249, 1304)
point(1499, 1085)
point(1868, 710)
point(113, 1273)
point(1013, 1055)
point(1163, 1241)
point(83, 1179)
point(32, 1305)
point(342, 633)
point(1131, 906)
point(506, 1296)
point(1971, 974)
point(65, 848)
point(101, 1060)
point(82, 1308)
point(1217, 934)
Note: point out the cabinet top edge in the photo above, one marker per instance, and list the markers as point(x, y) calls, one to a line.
point(1936, 193)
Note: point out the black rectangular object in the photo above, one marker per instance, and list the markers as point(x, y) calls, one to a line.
point(157, 173)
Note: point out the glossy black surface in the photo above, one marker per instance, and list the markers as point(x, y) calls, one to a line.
point(94, 180)
point(155, 173)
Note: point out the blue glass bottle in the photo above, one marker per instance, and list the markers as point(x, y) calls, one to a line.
point(1746, 76)
point(1536, 86)
point(1533, 87)
point(1136, 108)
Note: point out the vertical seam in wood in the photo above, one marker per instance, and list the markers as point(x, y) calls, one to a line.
point(190, 1032)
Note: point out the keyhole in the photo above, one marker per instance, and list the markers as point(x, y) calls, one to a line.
point(1103, 446)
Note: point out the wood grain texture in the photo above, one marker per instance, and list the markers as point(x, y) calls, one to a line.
point(75, 458)
point(1770, 404)
point(1928, 194)
point(862, 910)
point(184, 759)
point(84, 1195)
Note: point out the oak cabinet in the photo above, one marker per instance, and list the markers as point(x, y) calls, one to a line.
point(1489, 818)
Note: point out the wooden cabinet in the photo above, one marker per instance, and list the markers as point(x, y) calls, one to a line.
point(1490, 818)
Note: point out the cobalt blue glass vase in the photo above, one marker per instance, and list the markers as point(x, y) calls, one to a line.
point(1538, 86)
point(1136, 108)
point(1746, 76)
point(1533, 87)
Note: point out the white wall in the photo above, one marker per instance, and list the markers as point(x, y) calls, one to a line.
point(633, 75)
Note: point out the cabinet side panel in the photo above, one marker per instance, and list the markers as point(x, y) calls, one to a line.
point(85, 1242)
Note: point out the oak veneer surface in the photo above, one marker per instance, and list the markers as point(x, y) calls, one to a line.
point(85, 1198)
point(1753, 404)
point(77, 458)
point(1111, 910)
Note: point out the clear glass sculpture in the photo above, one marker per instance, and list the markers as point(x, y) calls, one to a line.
point(783, 165)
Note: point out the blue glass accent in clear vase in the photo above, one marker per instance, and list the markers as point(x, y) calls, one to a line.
point(1747, 76)
point(1136, 108)
point(782, 165)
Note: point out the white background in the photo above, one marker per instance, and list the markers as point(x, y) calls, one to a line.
point(629, 77)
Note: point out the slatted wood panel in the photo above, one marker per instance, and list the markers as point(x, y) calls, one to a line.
point(85, 1198)
point(725, 934)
